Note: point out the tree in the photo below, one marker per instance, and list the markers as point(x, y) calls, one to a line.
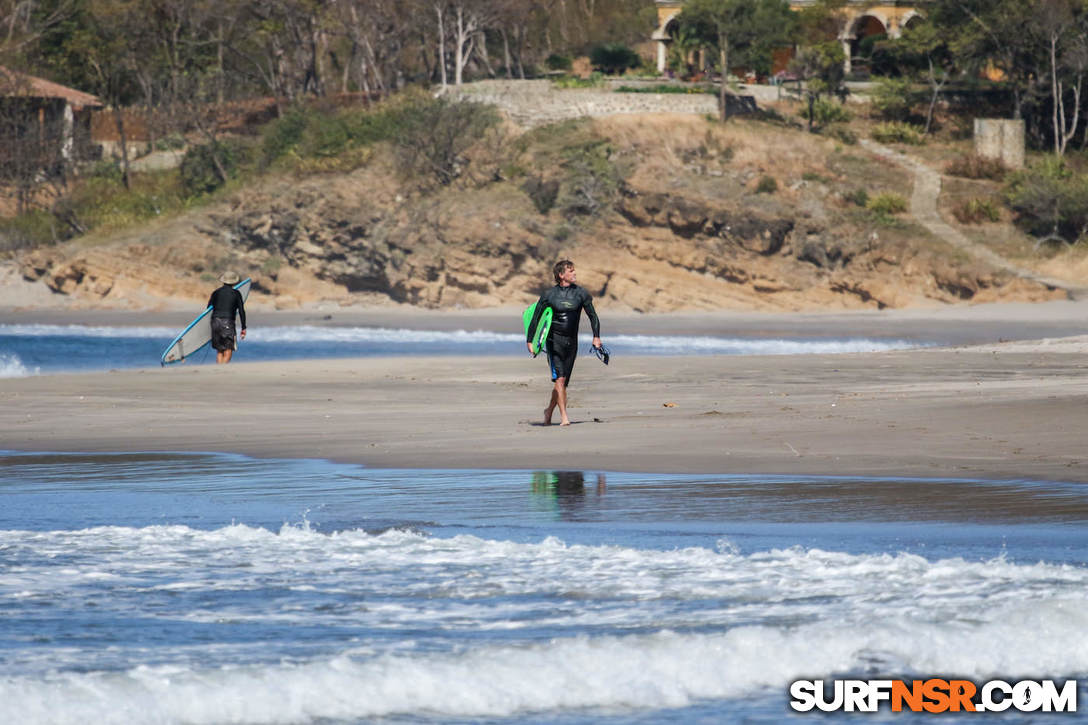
point(108, 44)
point(923, 50)
point(1064, 24)
point(469, 19)
point(685, 43)
point(821, 68)
point(820, 61)
point(24, 23)
point(613, 59)
point(741, 30)
point(1040, 51)
point(434, 134)
point(995, 34)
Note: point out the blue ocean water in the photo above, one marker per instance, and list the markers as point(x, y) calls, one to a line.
point(209, 588)
point(30, 349)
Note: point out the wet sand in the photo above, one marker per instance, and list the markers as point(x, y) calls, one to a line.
point(1006, 410)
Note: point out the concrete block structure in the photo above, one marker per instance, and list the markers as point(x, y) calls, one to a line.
point(1001, 139)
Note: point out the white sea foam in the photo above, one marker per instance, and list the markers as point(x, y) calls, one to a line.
point(12, 367)
point(675, 344)
point(646, 344)
point(661, 670)
point(705, 623)
point(43, 330)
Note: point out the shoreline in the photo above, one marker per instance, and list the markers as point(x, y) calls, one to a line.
point(948, 325)
point(1003, 399)
point(989, 413)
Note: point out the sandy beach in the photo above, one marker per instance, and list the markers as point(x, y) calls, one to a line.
point(1012, 407)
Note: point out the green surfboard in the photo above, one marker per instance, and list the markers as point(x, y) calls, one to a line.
point(542, 326)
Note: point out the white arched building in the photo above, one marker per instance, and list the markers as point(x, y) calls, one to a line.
point(860, 19)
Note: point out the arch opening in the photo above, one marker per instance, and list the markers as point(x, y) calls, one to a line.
point(865, 32)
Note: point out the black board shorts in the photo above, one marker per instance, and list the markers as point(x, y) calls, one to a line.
point(561, 353)
point(223, 334)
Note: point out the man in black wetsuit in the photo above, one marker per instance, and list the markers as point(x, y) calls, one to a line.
point(225, 302)
point(567, 301)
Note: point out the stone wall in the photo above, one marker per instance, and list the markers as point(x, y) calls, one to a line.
point(539, 102)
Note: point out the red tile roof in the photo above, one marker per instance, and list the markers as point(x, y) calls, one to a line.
point(16, 83)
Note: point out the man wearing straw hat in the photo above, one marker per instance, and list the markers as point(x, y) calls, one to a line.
point(225, 302)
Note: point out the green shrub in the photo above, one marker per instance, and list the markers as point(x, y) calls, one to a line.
point(973, 166)
point(284, 134)
point(1050, 199)
point(767, 185)
point(272, 265)
point(380, 124)
point(613, 58)
point(592, 178)
point(893, 98)
point(976, 211)
point(543, 193)
point(667, 88)
point(324, 137)
point(825, 111)
point(171, 142)
point(107, 170)
point(898, 132)
point(886, 203)
point(315, 134)
point(206, 167)
point(104, 204)
point(558, 62)
point(433, 135)
point(858, 197)
point(842, 133)
point(595, 80)
point(30, 229)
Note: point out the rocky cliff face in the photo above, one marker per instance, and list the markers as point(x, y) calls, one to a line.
point(685, 244)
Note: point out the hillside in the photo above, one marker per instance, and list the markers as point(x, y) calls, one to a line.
point(661, 212)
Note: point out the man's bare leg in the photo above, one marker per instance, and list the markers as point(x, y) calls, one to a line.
point(223, 356)
point(551, 407)
point(560, 394)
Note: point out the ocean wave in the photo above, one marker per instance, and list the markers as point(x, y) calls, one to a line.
point(632, 629)
point(397, 560)
point(12, 367)
point(466, 574)
point(666, 669)
point(635, 344)
point(43, 330)
point(658, 344)
point(681, 345)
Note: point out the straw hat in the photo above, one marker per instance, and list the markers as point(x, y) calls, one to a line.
point(229, 278)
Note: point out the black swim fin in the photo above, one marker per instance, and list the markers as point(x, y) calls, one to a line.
point(602, 353)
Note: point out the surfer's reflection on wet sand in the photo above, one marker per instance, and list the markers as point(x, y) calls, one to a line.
point(564, 492)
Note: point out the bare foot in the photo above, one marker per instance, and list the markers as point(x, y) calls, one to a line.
point(547, 416)
point(565, 422)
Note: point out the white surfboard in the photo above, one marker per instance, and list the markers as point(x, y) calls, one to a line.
point(199, 332)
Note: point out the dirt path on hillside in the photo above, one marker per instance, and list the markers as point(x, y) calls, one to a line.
point(923, 206)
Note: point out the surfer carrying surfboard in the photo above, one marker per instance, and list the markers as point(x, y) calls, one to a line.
point(566, 300)
point(225, 303)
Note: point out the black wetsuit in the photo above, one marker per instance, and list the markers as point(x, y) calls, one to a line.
point(567, 304)
point(225, 302)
